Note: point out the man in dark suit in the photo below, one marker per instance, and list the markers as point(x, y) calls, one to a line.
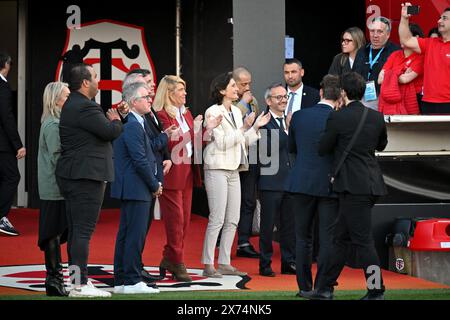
point(11, 149)
point(275, 165)
point(358, 184)
point(84, 167)
point(155, 131)
point(300, 95)
point(309, 184)
point(135, 185)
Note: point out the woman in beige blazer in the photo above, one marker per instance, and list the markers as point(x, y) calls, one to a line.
point(224, 157)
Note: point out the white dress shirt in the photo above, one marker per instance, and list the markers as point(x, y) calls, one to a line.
point(278, 120)
point(184, 128)
point(4, 79)
point(297, 99)
point(139, 118)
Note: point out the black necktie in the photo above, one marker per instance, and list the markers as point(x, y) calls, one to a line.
point(280, 119)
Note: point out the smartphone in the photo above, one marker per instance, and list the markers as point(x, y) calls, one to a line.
point(413, 10)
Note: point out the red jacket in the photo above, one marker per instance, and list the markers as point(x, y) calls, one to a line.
point(178, 174)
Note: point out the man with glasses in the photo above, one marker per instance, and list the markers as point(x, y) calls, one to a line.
point(11, 149)
point(272, 180)
point(436, 51)
point(370, 60)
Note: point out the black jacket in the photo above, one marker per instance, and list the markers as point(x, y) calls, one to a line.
point(360, 173)
point(9, 137)
point(86, 136)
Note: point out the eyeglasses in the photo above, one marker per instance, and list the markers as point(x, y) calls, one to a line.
point(347, 41)
point(280, 97)
point(148, 97)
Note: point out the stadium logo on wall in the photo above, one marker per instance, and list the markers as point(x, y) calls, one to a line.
point(113, 49)
point(399, 264)
point(32, 277)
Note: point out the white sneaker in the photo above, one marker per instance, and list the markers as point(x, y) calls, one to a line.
point(89, 291)
point(118, 289)
point(140, 287)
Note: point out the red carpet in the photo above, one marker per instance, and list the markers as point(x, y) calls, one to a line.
point(23, 250)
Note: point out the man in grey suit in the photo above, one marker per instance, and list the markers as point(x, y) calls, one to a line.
point(84, 167)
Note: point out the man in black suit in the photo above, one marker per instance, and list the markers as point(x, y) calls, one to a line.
point(309, 183)
point(274, 165)
point(154, 131)
point(300, 95)
point(358, 184)
point(84, 167)
point(11, 149)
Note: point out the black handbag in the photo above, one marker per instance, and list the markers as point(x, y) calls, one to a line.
point(349, 147)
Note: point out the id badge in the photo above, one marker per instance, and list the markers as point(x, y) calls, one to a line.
point(371, 93)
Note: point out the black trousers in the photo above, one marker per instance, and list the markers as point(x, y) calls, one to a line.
point(84, 199)
point(307, 208)
point(434, 108)
point(275, 203)
point(9, 180)
point(354, 222)
point(248, 203)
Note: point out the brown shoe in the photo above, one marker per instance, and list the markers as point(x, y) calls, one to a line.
point(164, 266)
point(179, 273)
point(230, 270)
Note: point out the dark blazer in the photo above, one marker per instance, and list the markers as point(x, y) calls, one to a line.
point(134, 164)
point(360, 173)
point(311, 97)
point(86, 135)
point(361, 64)
point(340, 65)
point(9, 137)
point(309, 174)
point(277, 181)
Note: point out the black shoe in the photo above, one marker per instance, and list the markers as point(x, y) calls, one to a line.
point(6, 227)
point(247, 252)
point(148, 278)
point(267, 272)
point(288, 268)
point(373, 296)
point(316, 294)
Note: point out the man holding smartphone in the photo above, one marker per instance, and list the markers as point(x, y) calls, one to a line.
point(436, 51)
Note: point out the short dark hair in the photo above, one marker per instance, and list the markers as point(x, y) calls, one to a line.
point(218, 84)
point(447, 9)
point(416, 30)
point(331, 87)
point(293, 60)
point(434, 30)
point(143, 72)
point(78, 74)
point(354, 85)
point(4, 59)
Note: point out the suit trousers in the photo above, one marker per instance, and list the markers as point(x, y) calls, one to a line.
point(176, 215)
point(223, 190)
point(248, 203)
point(84, 200)
point(9, 180)
point(307, 209)
point(149, 224)
point(354, 221)
point(275, 203)
point(130, 242)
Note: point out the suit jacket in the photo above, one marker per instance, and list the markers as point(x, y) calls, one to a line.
point(310, 171)
point(311, 97)
point(86, 135)
point(159, 142)
point(360, 173)
point(177, 177)
point(361, 64)
point(9, 137)
point(134, 164)
point(227, 149)
point(276, 181)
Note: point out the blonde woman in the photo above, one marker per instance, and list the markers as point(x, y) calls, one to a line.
point(224, 157)
point(52, 218)
point(351, 41)
point(176, 200)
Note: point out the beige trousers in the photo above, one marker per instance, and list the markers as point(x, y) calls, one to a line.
point(223, 189)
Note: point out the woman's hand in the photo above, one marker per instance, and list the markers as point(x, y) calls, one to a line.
point(249, 120)
point(213, 122)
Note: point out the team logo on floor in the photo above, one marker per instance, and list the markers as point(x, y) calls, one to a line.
point(32, 277)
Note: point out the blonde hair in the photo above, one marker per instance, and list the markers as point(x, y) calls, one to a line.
point(162, 99)
point(52, 93)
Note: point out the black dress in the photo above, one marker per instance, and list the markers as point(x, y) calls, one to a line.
point(52, 222)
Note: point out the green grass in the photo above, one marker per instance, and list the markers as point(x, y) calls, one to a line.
point(432, 294)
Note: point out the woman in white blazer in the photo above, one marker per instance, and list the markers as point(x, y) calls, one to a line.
point(224, 157)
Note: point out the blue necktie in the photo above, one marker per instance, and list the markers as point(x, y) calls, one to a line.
point(291, 102)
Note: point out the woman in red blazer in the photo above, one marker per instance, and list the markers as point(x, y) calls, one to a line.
point(176, 199)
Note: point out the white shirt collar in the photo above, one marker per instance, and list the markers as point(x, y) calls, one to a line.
point(275, 116)
point(298, 91)
point(139, 118)
point(4, 79)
